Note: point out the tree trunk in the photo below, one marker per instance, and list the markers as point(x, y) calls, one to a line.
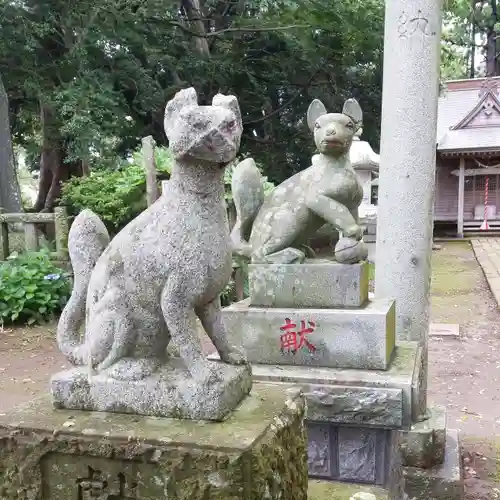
point(10, 195)
point(194, 14)
point(491, 45)
point(53, 168)
point(473, 43)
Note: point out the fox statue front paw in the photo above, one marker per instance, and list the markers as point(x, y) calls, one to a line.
point(354, 232)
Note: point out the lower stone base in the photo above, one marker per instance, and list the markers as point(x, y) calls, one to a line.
point(423, 445)
point(367, 398)
point(442, 482)
point(322, 490)
point(169, 392)
point(258, 452)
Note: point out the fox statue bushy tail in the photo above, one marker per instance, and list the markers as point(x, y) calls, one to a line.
point(87, 240)
point(248, 197)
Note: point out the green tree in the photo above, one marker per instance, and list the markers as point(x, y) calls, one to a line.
point(470, 38)
point(87, 80)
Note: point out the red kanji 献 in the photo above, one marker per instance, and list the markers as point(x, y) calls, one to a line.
point(293, 340)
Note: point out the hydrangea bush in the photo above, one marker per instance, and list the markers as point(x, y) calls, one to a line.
point(32, 288)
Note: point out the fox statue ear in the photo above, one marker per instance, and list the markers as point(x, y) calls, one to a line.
point(353, 110)
point(229, 102)
point(316, 109)
point(183, 98)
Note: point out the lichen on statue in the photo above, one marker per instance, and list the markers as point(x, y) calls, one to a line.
point(276, 229)
point(166, 267)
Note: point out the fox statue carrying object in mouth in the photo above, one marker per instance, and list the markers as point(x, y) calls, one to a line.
point(167, 266)
point(276, 229)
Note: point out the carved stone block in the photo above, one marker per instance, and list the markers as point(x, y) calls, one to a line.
point(357, 449)
point(169, 392)
point(351, 454)
point(333, 338)
point(259, 452)
point(354, 405)
point(319, 451)
point(315, 283)
point(423, 445)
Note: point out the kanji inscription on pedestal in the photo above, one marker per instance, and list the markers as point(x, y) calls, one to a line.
point(96, 487)
point(293, 339)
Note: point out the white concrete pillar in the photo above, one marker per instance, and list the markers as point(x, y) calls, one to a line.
point(408, 164)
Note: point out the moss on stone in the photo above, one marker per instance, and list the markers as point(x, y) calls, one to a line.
point(258, 453)
point(404, 359)
point(323, 490)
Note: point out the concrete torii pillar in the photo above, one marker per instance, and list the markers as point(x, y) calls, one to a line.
point(408, 164)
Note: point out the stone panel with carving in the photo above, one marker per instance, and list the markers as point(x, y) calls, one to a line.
point(319, 452)
point(357, 454)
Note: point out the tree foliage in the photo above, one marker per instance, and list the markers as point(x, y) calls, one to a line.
point(470, 38)
point(87, 80)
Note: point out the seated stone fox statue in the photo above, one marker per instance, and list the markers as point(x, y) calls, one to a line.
point(276, 229)
point(167, 266)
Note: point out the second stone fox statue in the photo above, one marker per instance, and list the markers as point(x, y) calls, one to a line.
point(276, 229)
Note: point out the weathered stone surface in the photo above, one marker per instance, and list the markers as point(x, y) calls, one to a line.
point(395, 481)
point(169, 392)
point(275, 229)
point(408, 137)
point(316, 283)
point(319, 451)
point(444, 330)
point(441, 482)
point(353, 454)
point(357, 454)
point(350, 250)
point(336, 338)
point(354, 405)
point(419, 385)
point(399, 376)
point(169, 265)
point(259, 452)
point(423, 445)
point(333, 490)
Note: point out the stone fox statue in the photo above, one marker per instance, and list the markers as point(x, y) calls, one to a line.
point(276, 229)
point(164, 268)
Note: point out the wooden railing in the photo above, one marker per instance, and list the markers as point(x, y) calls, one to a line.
point(31, 241)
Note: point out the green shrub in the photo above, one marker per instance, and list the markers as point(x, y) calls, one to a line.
point(117, 196)
point(32, 288)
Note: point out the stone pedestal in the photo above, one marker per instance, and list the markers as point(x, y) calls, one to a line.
point(169, 392)
point(334, 338)
point(259, 452)
point(354, 419)
point(363, 392)
point(314, 284)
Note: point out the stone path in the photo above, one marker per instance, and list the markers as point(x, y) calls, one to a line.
point(487, 252)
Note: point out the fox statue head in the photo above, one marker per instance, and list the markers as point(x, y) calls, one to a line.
point(206, 133)
point(334, 132)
